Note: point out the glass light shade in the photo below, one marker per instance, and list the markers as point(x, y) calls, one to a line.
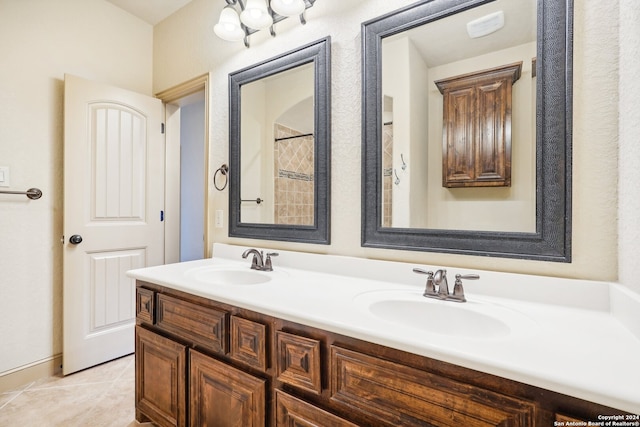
point(255, 15)
point(288, 7)
point(228, 26)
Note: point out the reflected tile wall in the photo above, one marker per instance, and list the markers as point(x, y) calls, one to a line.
point(387, 179)
point(294, 177)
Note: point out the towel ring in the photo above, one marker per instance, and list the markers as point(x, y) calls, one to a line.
point(223, 170)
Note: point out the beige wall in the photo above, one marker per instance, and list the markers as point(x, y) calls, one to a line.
point(40, 41)
point(181, 54)
point(629, 144)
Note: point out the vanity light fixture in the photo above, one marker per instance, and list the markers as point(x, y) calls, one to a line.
point(241, 18)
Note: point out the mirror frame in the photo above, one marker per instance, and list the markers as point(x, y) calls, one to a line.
point(552, 239)
point(318, 53)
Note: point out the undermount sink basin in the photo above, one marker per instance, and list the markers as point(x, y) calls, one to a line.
point(231, 275)
point(471, 319)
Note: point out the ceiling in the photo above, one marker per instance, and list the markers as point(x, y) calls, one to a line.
point(151, 11)
point(445, 41)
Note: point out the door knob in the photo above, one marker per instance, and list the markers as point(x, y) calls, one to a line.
point(75, 239)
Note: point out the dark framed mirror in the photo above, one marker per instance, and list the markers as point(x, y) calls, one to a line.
point(426, 185)
point(279, 147)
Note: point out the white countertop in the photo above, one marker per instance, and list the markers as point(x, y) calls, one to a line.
point(574, 337)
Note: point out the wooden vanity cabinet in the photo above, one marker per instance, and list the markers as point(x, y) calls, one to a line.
point(197, 364)
point(273, 372)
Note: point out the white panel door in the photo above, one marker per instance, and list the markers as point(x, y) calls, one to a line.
point(114, 195)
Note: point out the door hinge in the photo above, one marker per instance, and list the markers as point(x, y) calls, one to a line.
point(161, 216)
point(161, 127)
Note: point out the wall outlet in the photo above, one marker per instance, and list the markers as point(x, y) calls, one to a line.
point(4, 176)
point(219, 218)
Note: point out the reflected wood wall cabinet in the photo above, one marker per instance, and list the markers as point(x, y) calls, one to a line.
point(476, 131)
point(279, 373)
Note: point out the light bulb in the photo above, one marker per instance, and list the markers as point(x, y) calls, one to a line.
point(228, 26)
point(288, 7)
point(255, 15)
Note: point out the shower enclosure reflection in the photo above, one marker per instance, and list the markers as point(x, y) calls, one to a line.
point(277, 148)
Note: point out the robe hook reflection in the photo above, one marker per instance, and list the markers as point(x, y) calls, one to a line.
point(223, 170)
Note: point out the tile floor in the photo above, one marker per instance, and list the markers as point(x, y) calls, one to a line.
point(102, 396)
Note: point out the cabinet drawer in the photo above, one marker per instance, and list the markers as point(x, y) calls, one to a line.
point(291, 411)
point(248, 342)
point(144, 305)
point(200, 325)
point(298, 361)
point(406, 396)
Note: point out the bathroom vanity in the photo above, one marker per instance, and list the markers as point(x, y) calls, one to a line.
point(325, 343)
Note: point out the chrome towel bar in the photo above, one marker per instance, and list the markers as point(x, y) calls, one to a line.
point(257, 201)
point(32, 193)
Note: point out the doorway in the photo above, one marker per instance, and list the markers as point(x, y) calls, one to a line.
point(187, 168)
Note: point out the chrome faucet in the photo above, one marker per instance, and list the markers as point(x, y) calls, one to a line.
point(438, 287)
point(258, 263)
point(440, 280)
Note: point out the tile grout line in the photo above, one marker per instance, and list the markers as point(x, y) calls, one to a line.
point(17, 394)
point(104, 394)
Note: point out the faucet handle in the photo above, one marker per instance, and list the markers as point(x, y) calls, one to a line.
point(430, 288)
point(458, 290)
point(267, 263)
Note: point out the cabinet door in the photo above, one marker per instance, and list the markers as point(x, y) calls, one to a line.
point(459, 126)
point(493, 138)
point(293, 412)
point(160, 379)
point(223, 396)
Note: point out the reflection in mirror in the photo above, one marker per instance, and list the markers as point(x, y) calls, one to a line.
point(466, 128)
point(279, 147)
point(277, 142)
point(412, 67)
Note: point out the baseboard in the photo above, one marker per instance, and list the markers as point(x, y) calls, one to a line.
point(16, 378)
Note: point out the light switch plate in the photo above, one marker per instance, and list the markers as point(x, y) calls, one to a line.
point(4, 176)
point(219, 218)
